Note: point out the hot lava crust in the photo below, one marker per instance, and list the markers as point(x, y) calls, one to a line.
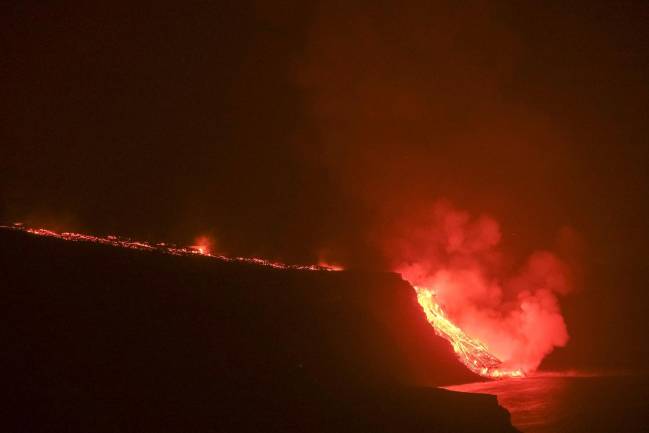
point(104, 339)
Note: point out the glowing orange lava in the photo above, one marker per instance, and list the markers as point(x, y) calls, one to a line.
point(202, 248)
point(473, 353)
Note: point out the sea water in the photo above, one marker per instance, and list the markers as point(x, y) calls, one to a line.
point(572, 403)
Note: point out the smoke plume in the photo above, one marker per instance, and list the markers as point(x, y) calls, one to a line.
point(512, 309)
point(408, 105)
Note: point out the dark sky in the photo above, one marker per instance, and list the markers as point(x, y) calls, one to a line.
point(295, 130)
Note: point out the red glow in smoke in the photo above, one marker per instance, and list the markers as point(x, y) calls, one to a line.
point(513, 312)
point(330, 266)
point(204, 245)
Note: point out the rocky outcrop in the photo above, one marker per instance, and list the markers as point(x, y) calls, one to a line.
point(99, 338)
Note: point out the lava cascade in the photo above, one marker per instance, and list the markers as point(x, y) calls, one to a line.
point(472, 352)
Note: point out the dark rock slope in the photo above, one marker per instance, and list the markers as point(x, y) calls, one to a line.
point(103, 339)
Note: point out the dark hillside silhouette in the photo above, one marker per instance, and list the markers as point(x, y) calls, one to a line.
point(97, 338)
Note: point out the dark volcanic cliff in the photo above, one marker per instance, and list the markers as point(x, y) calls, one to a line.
point(97, 338)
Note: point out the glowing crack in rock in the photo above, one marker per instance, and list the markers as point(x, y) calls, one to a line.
point(471, 352)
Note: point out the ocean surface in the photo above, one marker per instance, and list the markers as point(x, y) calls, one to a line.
point(561, 403)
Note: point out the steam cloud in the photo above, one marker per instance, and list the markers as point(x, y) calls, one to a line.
point(514, 311)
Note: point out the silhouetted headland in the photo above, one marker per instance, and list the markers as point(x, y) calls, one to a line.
point(104, 339)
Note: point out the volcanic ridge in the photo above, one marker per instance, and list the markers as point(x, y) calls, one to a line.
point(111, 339)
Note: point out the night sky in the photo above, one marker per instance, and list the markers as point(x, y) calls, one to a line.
point(300, 131)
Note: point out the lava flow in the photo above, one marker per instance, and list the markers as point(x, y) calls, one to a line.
point(472, 353)
point(201, 249)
